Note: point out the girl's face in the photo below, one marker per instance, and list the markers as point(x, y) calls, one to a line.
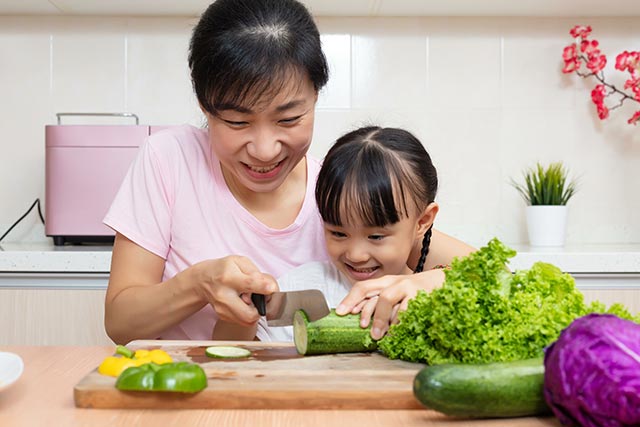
point(361, 252)
point(258, 147)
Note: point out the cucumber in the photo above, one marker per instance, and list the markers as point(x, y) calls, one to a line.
point(227, 352)
point(492, 390)
point(331, 334)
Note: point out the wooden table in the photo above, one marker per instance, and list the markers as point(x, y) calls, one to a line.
point(44, 396)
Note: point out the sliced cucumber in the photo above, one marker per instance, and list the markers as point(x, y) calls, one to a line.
point(227, 352)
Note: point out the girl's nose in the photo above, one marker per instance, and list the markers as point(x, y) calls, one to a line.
point(265, 146)
point(356, 253)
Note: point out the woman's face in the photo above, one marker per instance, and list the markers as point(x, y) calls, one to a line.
point(258, 147)
point(361, 252)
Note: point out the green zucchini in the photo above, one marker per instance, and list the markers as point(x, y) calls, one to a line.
point(331, 334)
point(492, 390)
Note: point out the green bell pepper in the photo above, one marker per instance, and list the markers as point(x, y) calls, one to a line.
point(180, 377)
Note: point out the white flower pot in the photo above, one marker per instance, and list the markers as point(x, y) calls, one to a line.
point(547, 225)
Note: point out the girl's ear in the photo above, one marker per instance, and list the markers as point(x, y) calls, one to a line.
point(426, 219)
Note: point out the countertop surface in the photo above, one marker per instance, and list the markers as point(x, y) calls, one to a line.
point(587, 259)
point(44, 395)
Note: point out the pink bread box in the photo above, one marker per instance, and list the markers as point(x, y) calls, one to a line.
point(85, 165)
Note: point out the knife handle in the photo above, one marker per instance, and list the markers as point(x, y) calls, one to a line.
point(258, 301)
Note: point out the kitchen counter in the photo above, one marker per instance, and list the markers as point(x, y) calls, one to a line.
point(44, 394)
point(47, 258)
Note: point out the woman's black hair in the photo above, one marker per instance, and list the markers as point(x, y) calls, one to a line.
point(244, 51)
point(370, 175)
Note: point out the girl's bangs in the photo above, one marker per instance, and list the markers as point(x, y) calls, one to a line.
point(375, 198)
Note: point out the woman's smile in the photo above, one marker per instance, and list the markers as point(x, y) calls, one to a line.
point(263, 171)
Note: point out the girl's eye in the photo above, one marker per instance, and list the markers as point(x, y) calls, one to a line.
point(290, 121)
point(376, 237)
point(337, 234)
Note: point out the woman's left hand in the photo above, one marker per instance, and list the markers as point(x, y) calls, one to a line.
point(385, 297)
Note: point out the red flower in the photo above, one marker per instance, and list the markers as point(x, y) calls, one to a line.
point(570, 52)
point(571, 59)
point(598, 94)
point(603, 112)
point(635, 118)
point(596, 63)
point(580, 31)
point(628, 61)
point(589, 46)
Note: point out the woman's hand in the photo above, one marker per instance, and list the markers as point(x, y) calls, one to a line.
point(227, 284)
point(385, 297)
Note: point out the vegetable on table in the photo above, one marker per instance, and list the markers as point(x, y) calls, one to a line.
point(180, 377)
point(227, 352)
point(331, 334)
point(483, 313)
point(115, 365)
point(492, 390)
point(592, 373)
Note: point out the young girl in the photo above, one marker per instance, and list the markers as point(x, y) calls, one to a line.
point(375, 193)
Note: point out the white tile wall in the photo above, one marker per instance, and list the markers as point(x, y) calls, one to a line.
point(485, 95)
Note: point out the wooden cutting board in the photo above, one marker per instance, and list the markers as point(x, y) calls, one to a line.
point(274, 377)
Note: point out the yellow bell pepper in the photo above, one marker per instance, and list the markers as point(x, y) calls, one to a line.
point(115, 365)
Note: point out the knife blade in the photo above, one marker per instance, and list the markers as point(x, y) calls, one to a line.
point(283, 305)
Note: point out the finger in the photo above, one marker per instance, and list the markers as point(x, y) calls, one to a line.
point(381, 319)
point(358, 307)
point(367, 311)
point(246, 298)
point(231, 307)
point(254, 281)
point(260, 283)
point(405, 303)
point(361, 291)
point(383, 315)
point(394, 314)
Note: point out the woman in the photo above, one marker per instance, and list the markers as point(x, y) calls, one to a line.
point(204, 218)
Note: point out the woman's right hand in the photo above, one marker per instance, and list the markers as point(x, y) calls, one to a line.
point(139, 305)
point(227, 284)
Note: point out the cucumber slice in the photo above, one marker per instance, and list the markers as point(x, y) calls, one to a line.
point(227, 352)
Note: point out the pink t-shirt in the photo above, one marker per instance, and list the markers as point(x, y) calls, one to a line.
point(175, 203)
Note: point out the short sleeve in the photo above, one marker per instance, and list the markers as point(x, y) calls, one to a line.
point(141, 210)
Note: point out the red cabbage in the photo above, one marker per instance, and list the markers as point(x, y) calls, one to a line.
point(592, 373)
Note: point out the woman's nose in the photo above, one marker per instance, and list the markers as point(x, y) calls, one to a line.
point(265, 146)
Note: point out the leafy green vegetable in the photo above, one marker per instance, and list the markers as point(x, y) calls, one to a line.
point(483, 313)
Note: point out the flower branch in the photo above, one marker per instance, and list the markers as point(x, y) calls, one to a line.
point(585, 53)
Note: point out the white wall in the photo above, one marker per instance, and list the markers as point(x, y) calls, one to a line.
point(485, 95)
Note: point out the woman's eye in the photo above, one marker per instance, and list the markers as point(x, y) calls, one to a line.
point(290, 120)
point(337, 234)
point(235, 124)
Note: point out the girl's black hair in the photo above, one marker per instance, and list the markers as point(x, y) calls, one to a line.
point(370, 175)
point(244, 51)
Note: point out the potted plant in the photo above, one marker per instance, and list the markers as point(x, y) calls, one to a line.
point(546, 191)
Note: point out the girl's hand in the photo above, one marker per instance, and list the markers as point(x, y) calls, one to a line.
point(227, 284)
point(385, 297)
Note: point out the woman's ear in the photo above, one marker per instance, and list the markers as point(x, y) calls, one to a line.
point(426, 218)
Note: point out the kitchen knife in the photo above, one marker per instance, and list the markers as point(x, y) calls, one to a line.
point(283, 305)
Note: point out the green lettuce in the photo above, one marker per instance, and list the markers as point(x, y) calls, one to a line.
point(484, 313)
